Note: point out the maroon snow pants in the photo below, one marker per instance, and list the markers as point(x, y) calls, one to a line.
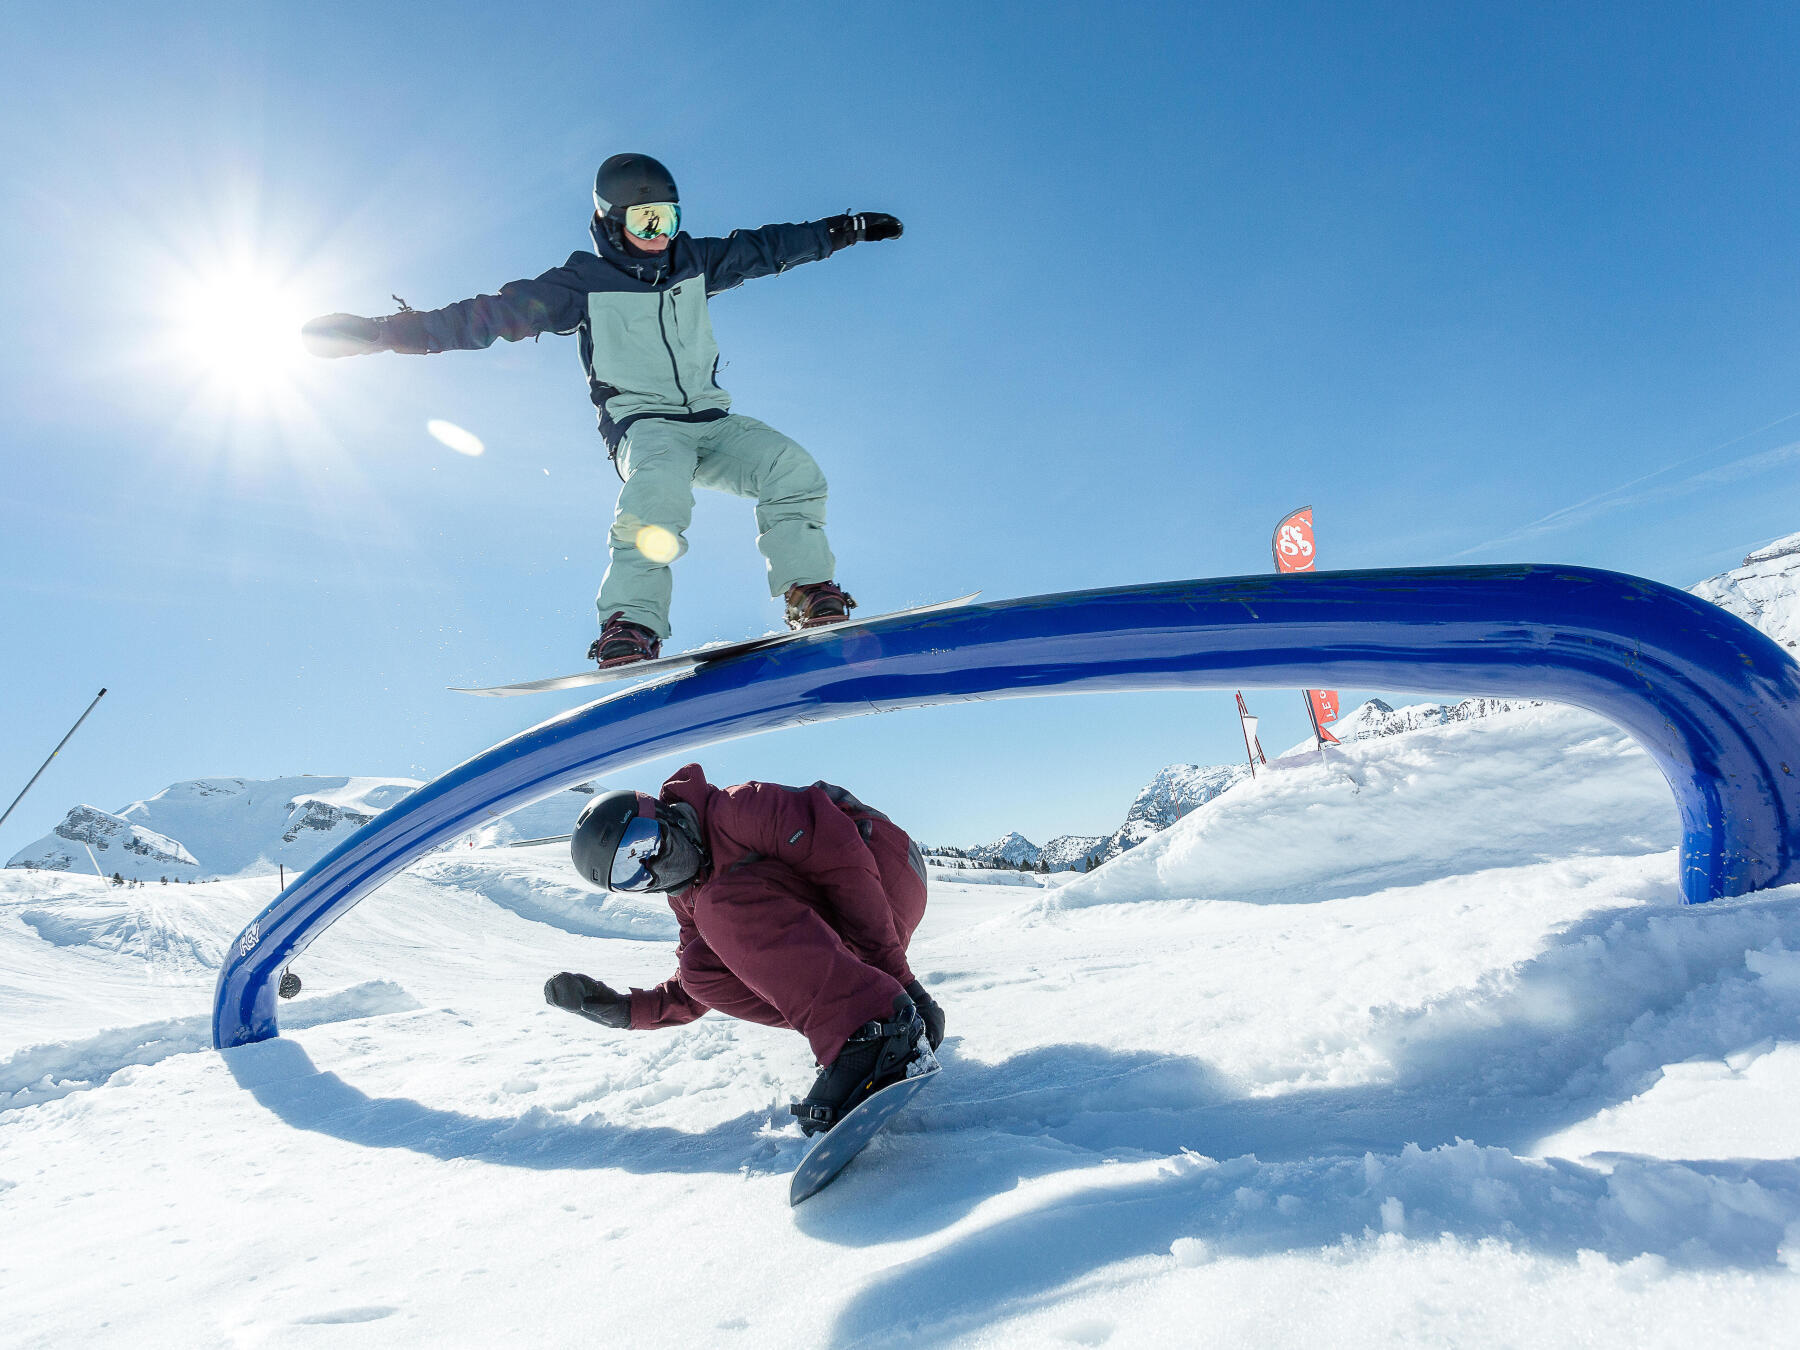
point(768, 952)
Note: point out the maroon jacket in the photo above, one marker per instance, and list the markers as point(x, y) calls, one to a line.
point(752, 944)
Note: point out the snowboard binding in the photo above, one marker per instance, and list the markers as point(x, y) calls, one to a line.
point(876, 1055)
point(816, 604)
point(622, 642)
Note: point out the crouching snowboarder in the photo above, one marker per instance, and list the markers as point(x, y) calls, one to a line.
point(795, 907)
point(638, 304)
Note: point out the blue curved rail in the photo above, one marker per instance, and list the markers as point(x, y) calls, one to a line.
point(1716, 703)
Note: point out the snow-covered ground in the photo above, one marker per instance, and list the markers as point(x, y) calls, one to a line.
point(1415, 1047)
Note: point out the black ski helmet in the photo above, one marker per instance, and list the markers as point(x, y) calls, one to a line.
point(631, 180)
point(598, 829)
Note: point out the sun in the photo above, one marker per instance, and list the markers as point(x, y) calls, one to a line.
point(237, 329)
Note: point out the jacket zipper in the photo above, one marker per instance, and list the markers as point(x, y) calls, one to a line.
point(674, 369)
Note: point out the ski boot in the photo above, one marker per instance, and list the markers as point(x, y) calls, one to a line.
point(621, 642)
point(877, 1054)
point(817, 603)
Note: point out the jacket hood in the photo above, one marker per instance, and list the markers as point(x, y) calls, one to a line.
point(688, 786)
point(687, 793)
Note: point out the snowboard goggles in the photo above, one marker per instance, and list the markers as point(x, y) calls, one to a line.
point(652, 219)
point(638, 847)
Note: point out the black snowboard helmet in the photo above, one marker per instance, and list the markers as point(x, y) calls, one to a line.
point(629, 841)
point(631, 180)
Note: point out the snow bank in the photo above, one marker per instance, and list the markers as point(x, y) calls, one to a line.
point(42, 1073)
point(984, 876)
point(1530, 784)
point(539, 884)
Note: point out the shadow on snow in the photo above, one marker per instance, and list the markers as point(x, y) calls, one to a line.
point(1477, 1079)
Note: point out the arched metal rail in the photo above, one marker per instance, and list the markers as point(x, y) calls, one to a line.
point(1716, 704)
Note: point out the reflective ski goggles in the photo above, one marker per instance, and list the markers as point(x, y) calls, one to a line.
point(652, 219)
point(638, 847)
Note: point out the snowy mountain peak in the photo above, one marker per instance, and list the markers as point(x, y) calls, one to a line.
point(1175, 790)
point(1765, 591)
point(207, 828)
point(1784, 547)
point(88, 827)
point(1066, 850)
point(1012, 847)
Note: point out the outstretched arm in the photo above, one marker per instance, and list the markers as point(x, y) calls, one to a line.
point(746, 254)
point(551, 303)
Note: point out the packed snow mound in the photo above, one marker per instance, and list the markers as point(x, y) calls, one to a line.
point(552, 818)
point(954, 872)
point(211, 828)
point(45, 1072)
point(1765, 591)
point(149, 923)
point(539, 884)
point(1533, 783)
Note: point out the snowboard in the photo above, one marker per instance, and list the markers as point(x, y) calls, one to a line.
point(832, 1151)
point(699, 656)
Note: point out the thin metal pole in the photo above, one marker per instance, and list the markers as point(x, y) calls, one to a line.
point(53, 754)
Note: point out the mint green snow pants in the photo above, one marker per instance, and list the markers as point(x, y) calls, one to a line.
point(663, 462)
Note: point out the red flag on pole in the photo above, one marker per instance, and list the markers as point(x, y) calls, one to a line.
point(1293, 542)
point(1295, 551)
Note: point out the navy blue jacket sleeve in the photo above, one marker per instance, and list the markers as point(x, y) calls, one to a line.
point(744, 254)
point(556, 302)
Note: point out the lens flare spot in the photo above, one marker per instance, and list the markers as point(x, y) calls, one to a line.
point(448, 433)
point(657, 544)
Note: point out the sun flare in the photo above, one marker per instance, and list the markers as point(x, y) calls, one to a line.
point(239, 328)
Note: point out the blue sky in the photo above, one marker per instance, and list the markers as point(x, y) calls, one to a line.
point(1482, 283)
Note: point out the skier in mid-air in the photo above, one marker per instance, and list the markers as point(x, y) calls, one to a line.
point(795, 908)
point(638, 303)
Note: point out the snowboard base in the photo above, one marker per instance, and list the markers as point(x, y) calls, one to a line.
point(833, 1151)
point(663, 665)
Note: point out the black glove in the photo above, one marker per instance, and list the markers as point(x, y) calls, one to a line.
point(344, 335)
point(590, 998)
point(848, 230)
point(930, 1011)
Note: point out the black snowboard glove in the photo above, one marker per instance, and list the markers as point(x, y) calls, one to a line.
point(930, 1011)
point(590, 998)
point(353, 335)
point(848, 230)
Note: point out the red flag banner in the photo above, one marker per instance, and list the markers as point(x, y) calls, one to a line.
point(1324, 706)
point(1293, 542)
point(1296, 551)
